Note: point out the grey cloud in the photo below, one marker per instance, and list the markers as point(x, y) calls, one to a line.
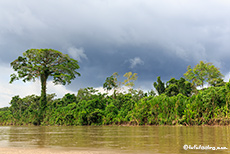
point(166, 36)
point(77, 54)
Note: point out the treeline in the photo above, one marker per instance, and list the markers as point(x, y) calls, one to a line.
point(209, 106)
point(177, 102)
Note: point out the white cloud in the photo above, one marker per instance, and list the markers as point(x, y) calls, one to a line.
point(59, 90)
point(77, 54)
point(122, 89)
point(136, 61)
point(227, 77)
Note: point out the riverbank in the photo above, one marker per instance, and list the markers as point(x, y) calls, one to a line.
point(210, 106)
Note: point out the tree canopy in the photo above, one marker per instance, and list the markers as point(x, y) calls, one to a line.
point(203, 72)
point(130, 78)
point(111, 82)
point(37, 63)
point(159, 86)
point(174, 87)
point(176, 103)
point(43, 63)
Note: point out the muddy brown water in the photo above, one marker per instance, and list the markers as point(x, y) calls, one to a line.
point(122, 139)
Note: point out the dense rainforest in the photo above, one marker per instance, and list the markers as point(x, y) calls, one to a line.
point(182, 101)
point(208, 106)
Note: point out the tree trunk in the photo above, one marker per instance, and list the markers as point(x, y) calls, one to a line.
point(43, 90)
point(43, 100)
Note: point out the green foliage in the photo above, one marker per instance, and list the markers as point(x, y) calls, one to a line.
point(68, 99)
point(110, 113)
point(175, 104)
point(129, 82)
point(86, 93)
point(111, 82)
point(4, 109)
point(174, 87)
point(208, 106)
point(48, 62)
point(44, 63)
point(203, 72)
point(159, 86)
point(217, 82)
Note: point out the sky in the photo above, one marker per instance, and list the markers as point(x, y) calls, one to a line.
point(148, 37)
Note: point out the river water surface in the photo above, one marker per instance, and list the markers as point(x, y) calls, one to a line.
point(122, 139)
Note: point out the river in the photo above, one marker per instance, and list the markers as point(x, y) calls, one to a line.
point(122, 139)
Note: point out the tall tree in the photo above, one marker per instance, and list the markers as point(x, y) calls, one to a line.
point(111, 82)
point(185, 87)
point(42, 63)
point(159, 86)
point(174, 87)
point(203, 72)
point(130, 78)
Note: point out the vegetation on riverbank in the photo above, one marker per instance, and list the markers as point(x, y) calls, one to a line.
point(179, 102)
point(209, 106)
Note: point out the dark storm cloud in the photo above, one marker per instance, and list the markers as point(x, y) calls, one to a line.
point(151, 38)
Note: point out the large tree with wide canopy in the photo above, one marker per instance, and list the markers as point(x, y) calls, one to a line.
point(44, 63)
